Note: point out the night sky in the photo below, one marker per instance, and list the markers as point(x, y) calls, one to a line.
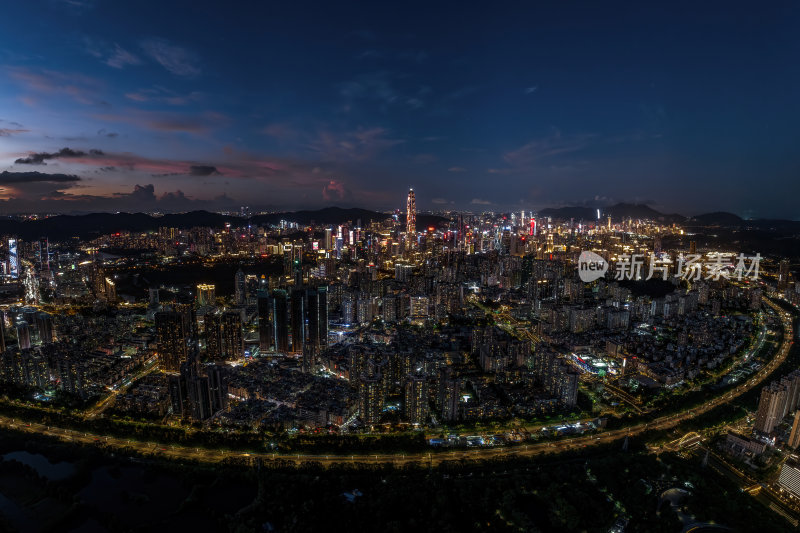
point(691, 107)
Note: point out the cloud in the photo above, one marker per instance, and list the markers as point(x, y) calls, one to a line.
point(7, 178)
point(440, 201)
point(280, 131)
point(114, 56)
point(179, 61)
point(531, 155)
point(383, 87)
point(104, 133)
point(203, 170)
point(80, 88)
point(8, 132)
point(360, 144)
point(163, 95)
point(334, 190)
point(120, 58)
point(456, 169)
point(39, 158)
point(195, 123)
point(479, 201)
point(532, 89)
point(49, 197)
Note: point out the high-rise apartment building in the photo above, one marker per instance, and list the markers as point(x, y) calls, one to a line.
point(172, 337)
point(416, 400)
point(240, 288)
point(224, 339)
point(771, 407)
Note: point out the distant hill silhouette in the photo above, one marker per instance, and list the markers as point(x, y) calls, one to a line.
point(719, 218)
point(618, 211)
point(64, 227)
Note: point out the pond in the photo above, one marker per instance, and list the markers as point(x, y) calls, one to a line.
point(43, 467)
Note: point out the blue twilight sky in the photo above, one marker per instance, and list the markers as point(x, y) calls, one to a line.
point(111, 105)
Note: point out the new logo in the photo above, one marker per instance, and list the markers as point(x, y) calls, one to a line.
point(591, 266)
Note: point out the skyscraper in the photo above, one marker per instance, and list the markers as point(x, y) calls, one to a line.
point(317, 316)
point(44, 323)
point(44, 254)
point(411, 216)
point(224, 340)
point(370, 399)
point(447, 397)
point(794, 436)
point(2, 332)
point(13, 259)
point(416, 399)
point(206, 294)
point(265, 330)
point(280, 320)
point(298, 320)
point(770, 407)
point(240, 288)
point(783, 274)
point(24, 335)
point(171, 333)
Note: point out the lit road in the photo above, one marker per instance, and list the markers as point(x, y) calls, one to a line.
point(103, 404)
point(171, 451)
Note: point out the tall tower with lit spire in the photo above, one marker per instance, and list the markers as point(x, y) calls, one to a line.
point(411, 215)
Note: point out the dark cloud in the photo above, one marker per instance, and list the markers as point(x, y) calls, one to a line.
point(109, 134)
point(41, 157)
point(49, 197)
point(203, 170)
point(7, 178)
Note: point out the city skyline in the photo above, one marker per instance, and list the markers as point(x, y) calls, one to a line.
point(520, 108)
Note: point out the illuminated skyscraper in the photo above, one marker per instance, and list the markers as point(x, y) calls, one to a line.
point(280, 320)
point(206, 294)
point(44, 323)
point(44, 253)
point(24, 335)
point(317, 317)
point(298, 320)
point(771, 407)
point(240, 288)
point(265, 330)
point(13, 259)
point(171, 333)
point(794, 436)
point(411, 215)
point(416, 399)
point(224, 340)
point(783, 274)
point(370, 399)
